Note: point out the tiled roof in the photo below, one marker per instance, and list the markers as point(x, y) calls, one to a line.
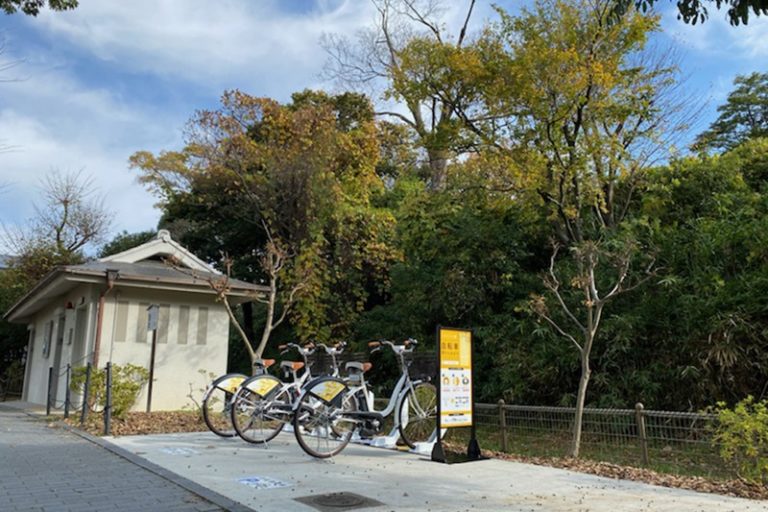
point(156, 271)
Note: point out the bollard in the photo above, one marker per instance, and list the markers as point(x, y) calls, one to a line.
point(641, 433)
point(50, 385)
point(86, 394)
point(503, 426)
point(108, 401)
point(66, 392)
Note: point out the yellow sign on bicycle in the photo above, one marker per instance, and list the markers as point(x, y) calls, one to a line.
point(328, 390)
point(263, 386)
point(230, 385)
point(455, 377)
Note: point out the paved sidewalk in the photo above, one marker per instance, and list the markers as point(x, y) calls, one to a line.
point(52, 469)
point(281, 477)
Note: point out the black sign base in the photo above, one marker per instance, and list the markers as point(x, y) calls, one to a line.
point(440, 455)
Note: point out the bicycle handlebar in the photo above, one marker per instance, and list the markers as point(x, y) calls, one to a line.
point(408, 345)
point(306, 350)
point(334, 350)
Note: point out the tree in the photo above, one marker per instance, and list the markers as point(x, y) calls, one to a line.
point(693, 11)
point(575, 112)
point(711, 214)
point(33, 7)
point(290, 186)
point(743, 116)
point(71, 217)
point(399, 50)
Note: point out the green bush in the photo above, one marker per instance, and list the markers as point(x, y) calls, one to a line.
point(126, 384)
point(742, 435)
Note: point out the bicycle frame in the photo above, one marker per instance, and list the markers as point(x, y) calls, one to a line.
point(394, 403)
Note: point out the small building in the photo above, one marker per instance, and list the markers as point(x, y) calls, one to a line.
point(98, 312)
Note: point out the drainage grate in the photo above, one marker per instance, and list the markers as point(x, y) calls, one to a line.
point(338, 501)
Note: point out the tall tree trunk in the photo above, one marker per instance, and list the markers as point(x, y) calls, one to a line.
point(438, 164)
point(239, 329)
point(580, 399)
point(247, 308)
point(270, 319)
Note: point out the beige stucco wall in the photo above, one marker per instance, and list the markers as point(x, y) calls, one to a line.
point(178, 358)
point(177, 364)
point(73, 350)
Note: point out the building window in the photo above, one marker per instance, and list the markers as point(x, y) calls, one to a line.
point(183, 325)
point(121, 322)
point(202, 326)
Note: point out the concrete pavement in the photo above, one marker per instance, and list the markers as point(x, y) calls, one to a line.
point(273, 478)
point(52, 469)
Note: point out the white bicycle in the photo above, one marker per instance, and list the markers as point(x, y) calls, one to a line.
point(263, 404)
point(330, 409)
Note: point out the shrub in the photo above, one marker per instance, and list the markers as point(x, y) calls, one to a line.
point(127, 382)
point(742, 435)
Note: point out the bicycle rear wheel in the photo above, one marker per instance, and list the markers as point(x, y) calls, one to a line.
point(321, 427)
point(418, 410)
point(260, 409)
point(216, 403)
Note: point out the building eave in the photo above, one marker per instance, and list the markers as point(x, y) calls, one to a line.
point(33, 300)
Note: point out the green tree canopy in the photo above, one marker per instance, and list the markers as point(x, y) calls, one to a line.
point(301, 175)
point(33, 7)
point(743, 116)
point(694, 11)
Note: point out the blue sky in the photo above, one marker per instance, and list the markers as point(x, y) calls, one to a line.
point(92, 86)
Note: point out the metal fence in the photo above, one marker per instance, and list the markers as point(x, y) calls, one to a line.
point(679, 442)
point(669, 441)
point(78, 401)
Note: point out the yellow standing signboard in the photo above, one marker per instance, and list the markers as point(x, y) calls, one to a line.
point(455, 377)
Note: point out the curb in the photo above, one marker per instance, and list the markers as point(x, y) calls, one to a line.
point(195, 488)
point(215, 498)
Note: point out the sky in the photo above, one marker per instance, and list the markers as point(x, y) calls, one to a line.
point(85, 89)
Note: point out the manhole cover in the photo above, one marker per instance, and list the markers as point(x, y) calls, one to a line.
point(338, 501)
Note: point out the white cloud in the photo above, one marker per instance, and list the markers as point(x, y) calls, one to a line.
point(58, 117)
point(229, 43)
point(39, 150)
point(53, 121)
point(716, 37)
point(256, 46)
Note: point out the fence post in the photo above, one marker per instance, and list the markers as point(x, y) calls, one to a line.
point(108, 401)
point(48, 395)
point(640, 419)
point(66, 392)
point(503, 426)
point(85, 405)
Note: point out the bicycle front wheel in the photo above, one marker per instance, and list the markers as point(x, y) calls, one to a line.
point(320, 423)
point(260, 409)
point(216, 401)
point(418, 410)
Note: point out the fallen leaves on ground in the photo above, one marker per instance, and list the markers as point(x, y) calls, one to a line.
point(737, 488)
point(139, 423)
